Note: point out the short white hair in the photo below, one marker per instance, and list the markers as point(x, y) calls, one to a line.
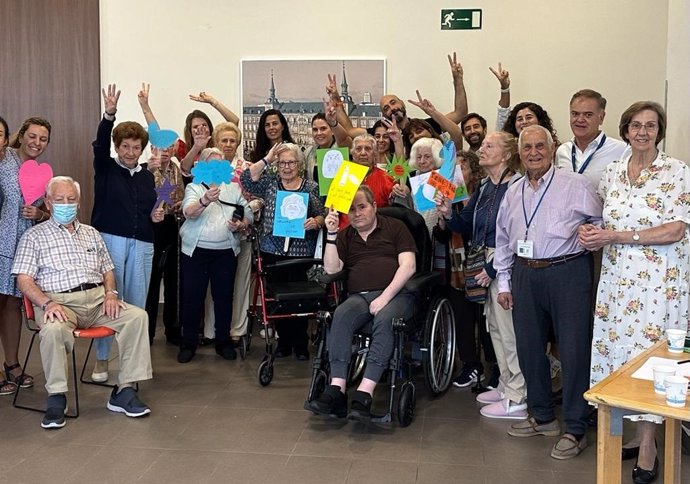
point(365, 138)
point(536, 127)
point(62, 179)
point(206, 153)
point(433, 144)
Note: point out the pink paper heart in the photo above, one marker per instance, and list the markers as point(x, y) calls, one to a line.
point(33, 179)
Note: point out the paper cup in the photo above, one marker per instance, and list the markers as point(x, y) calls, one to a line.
point(676, 391)
point(661, 372)
point(676, 340)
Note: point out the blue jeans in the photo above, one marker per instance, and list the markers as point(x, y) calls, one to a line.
point(132, 259)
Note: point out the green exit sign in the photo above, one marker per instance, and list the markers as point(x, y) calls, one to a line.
point(452, 19)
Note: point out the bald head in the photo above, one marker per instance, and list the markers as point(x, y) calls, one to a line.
point(391, 105)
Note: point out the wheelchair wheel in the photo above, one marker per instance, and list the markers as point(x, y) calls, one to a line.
point(358, 360)
point(265, 373)
point(406, 404)
point(318, 386)
point(438, 356)
point(244, 346)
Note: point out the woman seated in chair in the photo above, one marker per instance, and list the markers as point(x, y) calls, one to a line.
point(286, 174)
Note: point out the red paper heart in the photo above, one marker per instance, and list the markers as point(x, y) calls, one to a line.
point(33, 179)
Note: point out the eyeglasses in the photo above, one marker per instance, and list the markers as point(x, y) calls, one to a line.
point(635, 126)
point(286, 164)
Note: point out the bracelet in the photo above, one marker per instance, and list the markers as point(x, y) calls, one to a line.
point(332, 233)
point(333, 125)
point(329, 241)
point(265, 162)
point(201, 202)
point(45, 304)
point(506, 90)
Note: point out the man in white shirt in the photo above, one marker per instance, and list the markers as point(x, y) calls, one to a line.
point(590, 150)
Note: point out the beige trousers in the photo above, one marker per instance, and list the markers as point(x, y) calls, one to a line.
point(83, 310)
point(500, 324)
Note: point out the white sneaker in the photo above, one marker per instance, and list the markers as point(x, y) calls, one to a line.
point(555, 366)
point(100, 372)
point(505, 410)
point(492, 396)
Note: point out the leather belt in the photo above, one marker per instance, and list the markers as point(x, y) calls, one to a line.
point(553, 261)
point(83, 287)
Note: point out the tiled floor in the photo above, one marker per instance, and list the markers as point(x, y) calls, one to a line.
point(212, 422)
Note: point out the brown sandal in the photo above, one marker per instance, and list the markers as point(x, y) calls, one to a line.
point(23, 380)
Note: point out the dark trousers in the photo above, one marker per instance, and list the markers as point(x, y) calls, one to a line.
point(560, 295)
point(471, 332)
point(217, 266)
point(165, 246)
point(292, 332)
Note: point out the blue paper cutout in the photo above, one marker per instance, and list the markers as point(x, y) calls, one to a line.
point(212, 172)
point(161, 138)
point(290, 214)
point(447, 169)
point(422, 194)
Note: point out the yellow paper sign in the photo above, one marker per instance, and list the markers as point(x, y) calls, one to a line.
point(442, 185)
point(345, 183)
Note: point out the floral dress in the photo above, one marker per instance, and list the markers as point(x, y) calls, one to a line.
point(643, 288)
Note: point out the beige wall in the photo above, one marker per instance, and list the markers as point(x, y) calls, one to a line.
point(551, 47)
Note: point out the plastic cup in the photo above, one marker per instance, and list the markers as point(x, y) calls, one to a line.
point(676, 340)
point(661, 372)
point(676, 391)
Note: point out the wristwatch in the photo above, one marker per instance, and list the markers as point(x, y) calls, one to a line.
point(636, 236)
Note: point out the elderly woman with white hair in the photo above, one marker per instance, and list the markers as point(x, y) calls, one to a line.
point(215, 217)
point(286, 173)
point(425, 156)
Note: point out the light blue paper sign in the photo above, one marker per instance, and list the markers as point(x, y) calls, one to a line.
point(161, 138)
point(290, 214)
point(212, 172)
point(448, 155)
point(422, 193)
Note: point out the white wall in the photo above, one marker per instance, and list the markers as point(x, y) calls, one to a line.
point(678, 74)
point(551, 47)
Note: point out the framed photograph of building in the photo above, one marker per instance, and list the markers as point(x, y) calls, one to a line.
point(296, 87)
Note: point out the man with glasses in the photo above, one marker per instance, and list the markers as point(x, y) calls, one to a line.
point(590, 150)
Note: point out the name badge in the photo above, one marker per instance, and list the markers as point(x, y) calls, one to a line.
point(525, 248)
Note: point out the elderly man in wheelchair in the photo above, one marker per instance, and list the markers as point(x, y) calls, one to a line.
point(378, 254)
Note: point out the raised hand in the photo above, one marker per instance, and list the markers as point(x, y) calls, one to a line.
point(329, 111)
point(332, 88)
point(423, 104)
point(203, 97)
point(143, 95)
point(201, 137)
point(455, 67)
point(502, 75)
point(110, 99)
point(391, 129)
point(332, 220)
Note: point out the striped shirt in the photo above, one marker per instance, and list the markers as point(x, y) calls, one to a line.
point(59, 260)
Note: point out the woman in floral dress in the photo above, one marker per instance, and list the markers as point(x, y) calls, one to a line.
point(644, 278)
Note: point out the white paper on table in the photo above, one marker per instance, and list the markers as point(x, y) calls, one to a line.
point(645, 372)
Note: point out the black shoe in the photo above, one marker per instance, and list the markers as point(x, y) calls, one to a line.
point(54, 417)
point(282, 352)
point(185, 355)
point(643, 476)
point(360, 407)
point(630, 453)
point(226, 350)
point(470, 373)
point(331, 403)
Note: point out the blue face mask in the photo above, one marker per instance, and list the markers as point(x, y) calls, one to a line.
point(64, 213)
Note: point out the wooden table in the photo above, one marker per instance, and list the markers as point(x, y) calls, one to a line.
point(619, 394)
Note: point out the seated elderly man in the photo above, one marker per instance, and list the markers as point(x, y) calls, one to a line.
point(64, 268)
point(378, 254)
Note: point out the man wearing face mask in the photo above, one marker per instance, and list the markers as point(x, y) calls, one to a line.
point(64, 268)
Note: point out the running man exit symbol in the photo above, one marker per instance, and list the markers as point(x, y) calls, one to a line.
point(453, 19)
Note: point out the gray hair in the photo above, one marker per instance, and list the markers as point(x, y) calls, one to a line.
point(536, 127)
point(62, 179)
point(364, 137)
point(433, 144)
point(207, 152)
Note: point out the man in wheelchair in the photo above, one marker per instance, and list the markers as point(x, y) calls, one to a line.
point(378, 254)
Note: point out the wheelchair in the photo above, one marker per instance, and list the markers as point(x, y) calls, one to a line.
point(427, 339)
point(272, 300)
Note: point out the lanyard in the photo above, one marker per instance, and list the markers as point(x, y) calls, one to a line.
point(589, 158)
point(524, 210)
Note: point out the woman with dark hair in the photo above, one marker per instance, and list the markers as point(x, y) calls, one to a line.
point(273, 129)
point(527, 114)
point(15, 218)
point(327, 133)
